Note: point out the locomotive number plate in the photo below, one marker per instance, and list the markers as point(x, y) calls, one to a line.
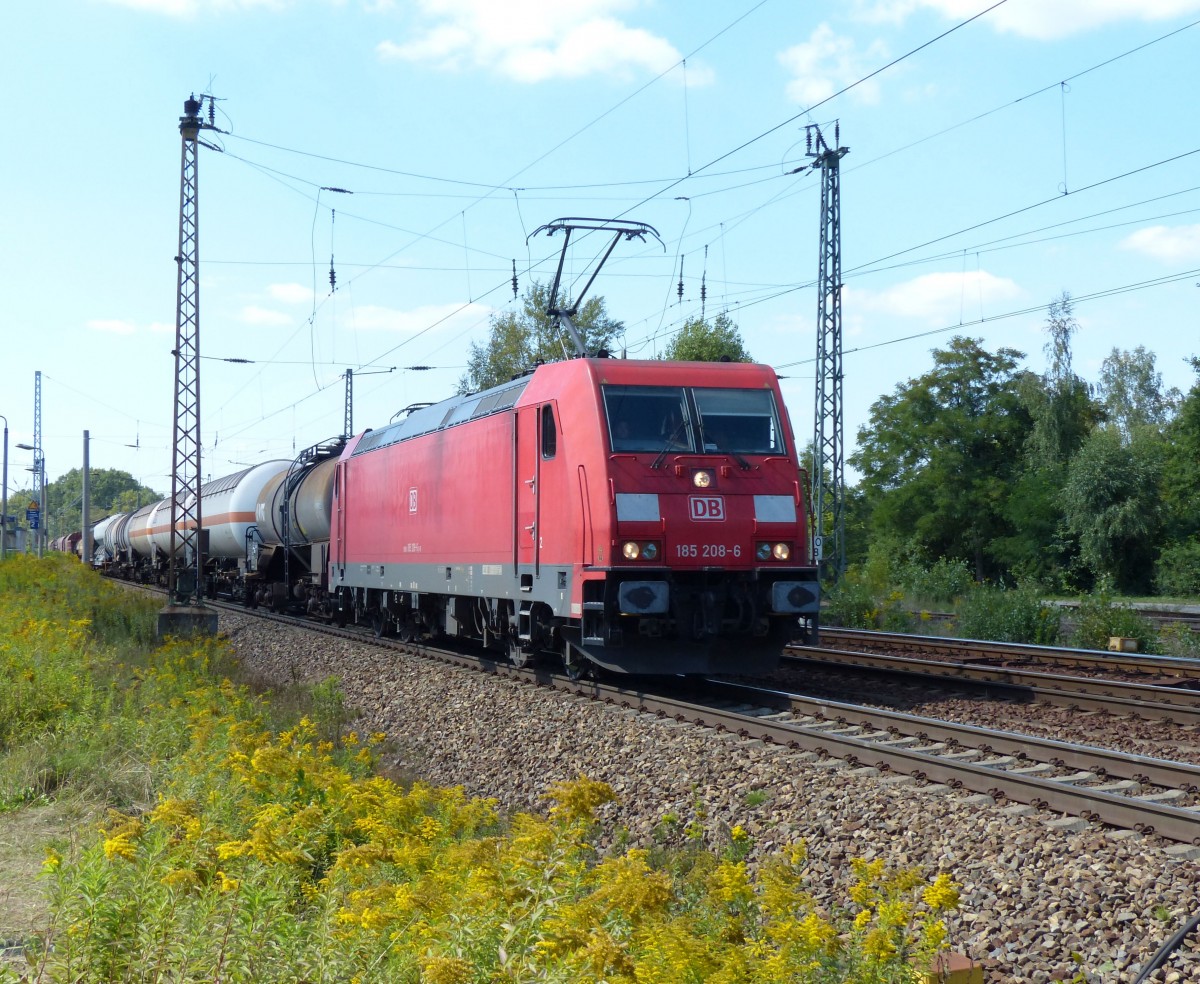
point(710, 551)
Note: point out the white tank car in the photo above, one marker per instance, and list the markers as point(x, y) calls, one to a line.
point(309, 505)
point(100, 552)
point(116, 536)
point(227, 507)
point(139, 533)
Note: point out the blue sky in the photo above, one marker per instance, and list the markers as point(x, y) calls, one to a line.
point(1047, 145)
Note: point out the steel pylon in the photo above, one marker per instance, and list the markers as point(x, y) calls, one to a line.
point(829, 471)
point(185, 562)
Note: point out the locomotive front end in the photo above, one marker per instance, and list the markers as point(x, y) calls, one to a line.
point(709, 569)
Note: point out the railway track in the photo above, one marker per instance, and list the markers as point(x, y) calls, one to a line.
point(1085, 784)
point(1149, 701)
point(1174, 670)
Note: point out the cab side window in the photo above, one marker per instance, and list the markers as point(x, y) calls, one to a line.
point(549, 432)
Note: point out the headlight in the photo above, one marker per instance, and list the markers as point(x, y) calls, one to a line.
point(763, 551)
point(633, 550)
point(702, 478)
point(782, 551)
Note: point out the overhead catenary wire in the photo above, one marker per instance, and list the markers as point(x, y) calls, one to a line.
point(532, 265)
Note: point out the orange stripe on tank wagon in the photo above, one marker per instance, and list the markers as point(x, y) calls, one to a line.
point(206, 521)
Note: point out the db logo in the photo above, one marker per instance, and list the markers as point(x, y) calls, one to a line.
point(707, 507)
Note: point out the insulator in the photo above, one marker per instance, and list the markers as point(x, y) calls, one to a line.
point(332, 275)
point(808, 139)
point(514, 282)
point(679, 289)
point(837, 134)
point(211, 113)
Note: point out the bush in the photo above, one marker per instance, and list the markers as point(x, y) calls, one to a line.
point(940, 582)
point(1177, 572)
point(853, 603)
point(1007, 615)
point(1099, 618)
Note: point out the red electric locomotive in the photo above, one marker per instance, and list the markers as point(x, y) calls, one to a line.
point(644, 517)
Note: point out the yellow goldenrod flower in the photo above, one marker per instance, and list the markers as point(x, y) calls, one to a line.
point(120, 846)
point(447, 970)
point(181, 878)
point(942, 894)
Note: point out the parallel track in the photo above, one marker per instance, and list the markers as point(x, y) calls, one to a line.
point(1156, 703)
point(1178, 669)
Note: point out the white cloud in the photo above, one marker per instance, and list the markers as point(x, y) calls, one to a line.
point(254, 315)
point(162, 328)
point(536, 40)
point(1177, 244)
point(826, 63)
point(113, 326)
point(439, 317)
point(1043, 20)
point(291, 293)
point(937, 299)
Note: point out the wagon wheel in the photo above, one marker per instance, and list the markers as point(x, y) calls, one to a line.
point(381, 624)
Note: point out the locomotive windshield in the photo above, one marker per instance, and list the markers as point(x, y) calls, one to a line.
point(686, 418)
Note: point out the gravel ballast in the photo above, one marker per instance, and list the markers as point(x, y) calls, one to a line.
point(1043, 899)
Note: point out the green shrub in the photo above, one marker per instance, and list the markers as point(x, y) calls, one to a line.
point(850, 604)
point(940, 582)
point(1007, 615)
point(1099, 618)
point(1177, 572)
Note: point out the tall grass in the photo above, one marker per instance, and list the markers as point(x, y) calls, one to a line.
point(257, 853)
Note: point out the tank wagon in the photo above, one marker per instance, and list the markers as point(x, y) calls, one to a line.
point(644, 517)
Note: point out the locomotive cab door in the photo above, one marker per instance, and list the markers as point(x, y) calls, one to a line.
point(535, 465)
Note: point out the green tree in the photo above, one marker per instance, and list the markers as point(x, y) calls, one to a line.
point(938, 455)
point(1131, 390)
point(1059, 401)
point(700, 341)
point(1112, 504)
point(110, 490)
point(1181, 467)
point(519, 340)
point(1063, 413)
point(1178, 570)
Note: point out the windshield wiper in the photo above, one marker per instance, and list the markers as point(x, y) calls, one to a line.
point(743, 464)
point(662, 455)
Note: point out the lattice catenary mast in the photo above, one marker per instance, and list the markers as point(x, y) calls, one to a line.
point(186, 559)
point(829, 472)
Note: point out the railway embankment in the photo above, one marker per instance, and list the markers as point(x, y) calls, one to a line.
point(250, 841)
point(1044, 897)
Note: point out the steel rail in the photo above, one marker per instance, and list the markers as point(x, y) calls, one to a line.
point(1104, 762)
point(1145, 700)
point(1178, 666)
